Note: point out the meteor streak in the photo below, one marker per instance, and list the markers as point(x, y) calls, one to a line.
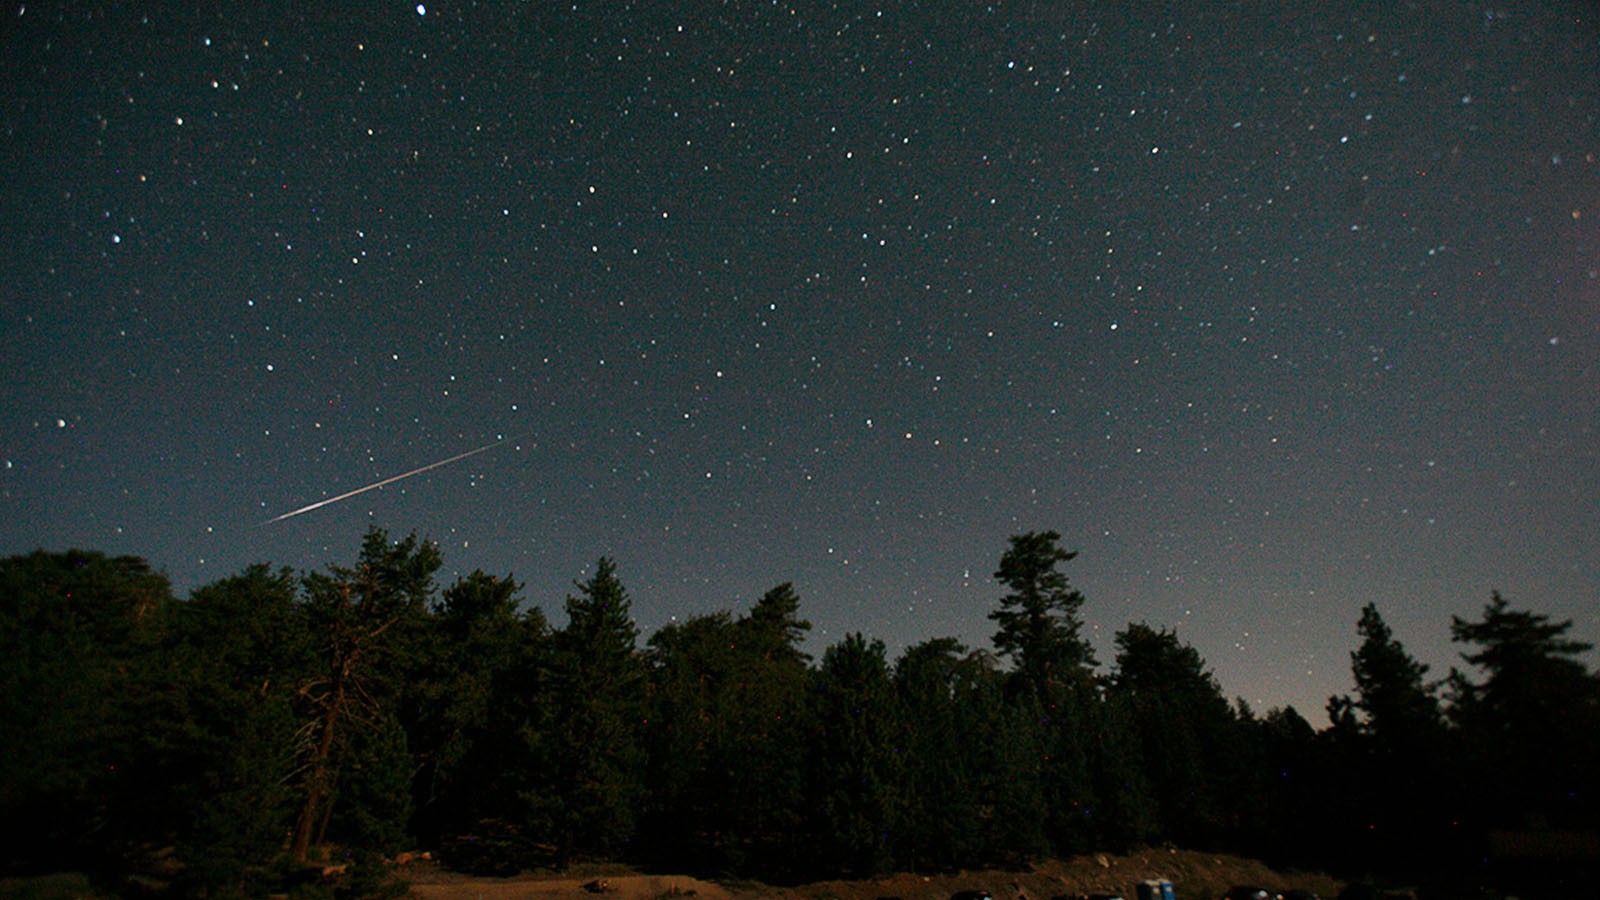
point(378, 484)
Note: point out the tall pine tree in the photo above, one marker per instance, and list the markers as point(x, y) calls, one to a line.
point(597, 699)
point(1040, 623)
point(855, 764)
point(1397, 759)
point(1183, 722)
point(1041, 630)
point(362, 620)
point(1532, 723)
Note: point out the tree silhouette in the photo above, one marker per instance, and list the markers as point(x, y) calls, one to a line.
point(1039, 623)
point(727, 737)
point(79, 636)
point(274, 715)
point(1401, 713)
point(358, 617)
point(936, 684)
point(596, 696)
point(856, 769)
point(1384, 806)
point(1532, 723)
point(473, 644)
point(1182, 724)
point(236, 656)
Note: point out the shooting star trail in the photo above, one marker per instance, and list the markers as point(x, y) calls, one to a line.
point(378, 484)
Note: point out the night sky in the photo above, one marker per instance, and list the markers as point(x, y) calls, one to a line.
point(1272, 310)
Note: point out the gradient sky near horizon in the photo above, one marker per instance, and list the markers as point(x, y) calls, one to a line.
point(1272, 310)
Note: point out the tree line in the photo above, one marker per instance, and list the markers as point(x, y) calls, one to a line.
point(274, 719)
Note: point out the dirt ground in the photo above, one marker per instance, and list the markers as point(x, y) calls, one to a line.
point(1196, 876)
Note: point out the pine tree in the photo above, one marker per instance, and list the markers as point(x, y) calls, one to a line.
point(596, 684)
point(973, 762)
point(690, 743)
point(1183, 723)
point(1532, 723)
point(78, 638)
point(1395, 757)
point(1041, 630)
point(474, 643)
point(766, 719)
point(727, 738)
point(1401, 713)
point(1040, 626)
point(236, 653)
point(360, 619)
point(942, 823)
point(856, 767)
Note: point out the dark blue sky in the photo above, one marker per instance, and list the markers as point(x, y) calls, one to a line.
point(1271, 310)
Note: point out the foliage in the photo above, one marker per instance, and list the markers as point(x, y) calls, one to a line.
point(944, 697)
point(1040, 626)
point(1392, 733)
point(237, 658)
point(728, 709)
point(855, 757)
point(457, 707)
point(595, 696)
point(1401, 711)
point(271, 717)
point(79, 633)
point(1181, 725)
point(359, 619)
point(1532, 722)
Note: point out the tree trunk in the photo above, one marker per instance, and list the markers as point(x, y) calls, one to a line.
point(317, 780)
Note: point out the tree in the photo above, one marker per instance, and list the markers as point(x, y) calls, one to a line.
point(1392, 736)
point(1041, 630)
point(475, 644)
point(1126, 815)
point(972, 762)
point(1294, 772)
point(596, 682)
point(762, 754)
point(1401, 713)
point(943, 809)
point(691, 743)
point(727, 738)
point(1021, 778)
point(494, 814)
point(236, 653)
point(1039, 623)
point(78, 638)
point(774, 627)
point(856, 767)
point(1533, 721)
point(359, 618)
point(1183, 725)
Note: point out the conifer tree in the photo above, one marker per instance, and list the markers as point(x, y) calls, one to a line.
point(1531, 724)
point(688, 821)
point(1400, 710)
point(934, 682)
point(1394, 732)
point(856, 774)
point(79, 633)
point(473, 645)
point(1041, 630)
point(596, 695)
point(359, 619)
point(1040, 626)
point(766, 727)
point(236, 654)
point(1183, 723)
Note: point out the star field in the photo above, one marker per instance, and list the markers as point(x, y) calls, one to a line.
point(1271, 312)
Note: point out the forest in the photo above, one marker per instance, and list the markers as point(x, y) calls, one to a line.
point(274, 720)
